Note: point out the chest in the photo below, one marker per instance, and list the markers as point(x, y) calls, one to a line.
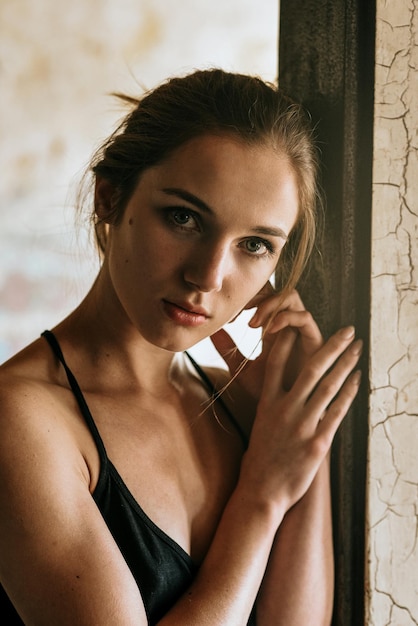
point(180, 461)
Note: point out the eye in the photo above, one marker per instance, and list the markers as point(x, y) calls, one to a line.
point(258, 247)
point(183, 218)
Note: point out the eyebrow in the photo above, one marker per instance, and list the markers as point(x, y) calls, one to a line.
point(188, 197)
point(192, 199)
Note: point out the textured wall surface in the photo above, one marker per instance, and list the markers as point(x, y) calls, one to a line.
point(393, 464)
point(58, 62)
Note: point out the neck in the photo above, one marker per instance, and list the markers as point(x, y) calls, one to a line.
point(108, 347)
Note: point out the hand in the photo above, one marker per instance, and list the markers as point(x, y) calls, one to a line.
point(294, 428)
point(275, 314)
point(278, 318)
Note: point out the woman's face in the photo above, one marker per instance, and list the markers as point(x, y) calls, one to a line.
point(199, 238)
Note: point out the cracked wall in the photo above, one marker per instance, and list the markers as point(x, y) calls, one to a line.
point(392, 533)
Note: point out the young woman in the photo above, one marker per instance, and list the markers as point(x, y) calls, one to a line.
point(137, 488)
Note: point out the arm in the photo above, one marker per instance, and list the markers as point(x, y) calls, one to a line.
point(58, 561)
point(298, 585)
point(302, 591)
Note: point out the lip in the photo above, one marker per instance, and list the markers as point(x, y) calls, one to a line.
point(185, 313)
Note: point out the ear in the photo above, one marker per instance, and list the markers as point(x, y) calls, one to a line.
point(265, 292)
point(104, 200)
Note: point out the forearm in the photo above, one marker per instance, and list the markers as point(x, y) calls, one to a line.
point(286, 464)
point(229, 579)
point(298, 586)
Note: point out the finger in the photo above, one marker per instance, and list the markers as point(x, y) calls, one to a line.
point(338, 409)
point(323, 360)
point(265, 292)
point(277, 361)
point(332, 384)
point(271, 305)
point(305, 324)
point(228, 350)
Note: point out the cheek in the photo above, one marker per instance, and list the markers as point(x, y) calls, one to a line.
point(248, 292)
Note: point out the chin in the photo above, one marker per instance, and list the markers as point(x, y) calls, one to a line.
point(176, 341)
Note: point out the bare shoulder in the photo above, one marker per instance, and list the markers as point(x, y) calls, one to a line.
point(232, 393)
point(232, 398)
point(24, 385)
point(219, 376)
point(28, 382)
point(55, 547)
point(34, 408)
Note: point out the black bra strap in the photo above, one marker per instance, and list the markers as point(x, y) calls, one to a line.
point(85, 411)
point(217, 396)
point(51, 339)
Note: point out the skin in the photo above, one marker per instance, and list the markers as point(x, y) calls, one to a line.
point(198, 241)
point(211, 260)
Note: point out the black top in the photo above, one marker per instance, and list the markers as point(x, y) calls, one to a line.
point(160, 566)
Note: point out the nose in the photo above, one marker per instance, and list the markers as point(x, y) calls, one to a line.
point(208, 267)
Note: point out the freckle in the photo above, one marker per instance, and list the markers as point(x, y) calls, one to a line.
point(126, 261)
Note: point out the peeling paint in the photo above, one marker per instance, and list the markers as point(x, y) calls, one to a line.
point(392, 516)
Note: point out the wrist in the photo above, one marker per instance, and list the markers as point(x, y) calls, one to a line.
point(252, 496)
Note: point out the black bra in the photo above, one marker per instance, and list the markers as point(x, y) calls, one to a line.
point(162, 569)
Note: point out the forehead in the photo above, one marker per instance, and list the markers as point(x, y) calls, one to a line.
point(225, 171)
point(224, 151)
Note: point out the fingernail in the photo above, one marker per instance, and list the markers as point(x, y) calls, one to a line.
point(356, 377)
point(357, 347)
point(347, 332)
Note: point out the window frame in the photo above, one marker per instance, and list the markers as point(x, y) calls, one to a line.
point(326, 62)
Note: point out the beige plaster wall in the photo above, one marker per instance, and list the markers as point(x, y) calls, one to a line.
point(392, 568)
point(58, 62)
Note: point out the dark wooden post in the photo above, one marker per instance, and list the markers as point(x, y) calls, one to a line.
point(326, 62)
